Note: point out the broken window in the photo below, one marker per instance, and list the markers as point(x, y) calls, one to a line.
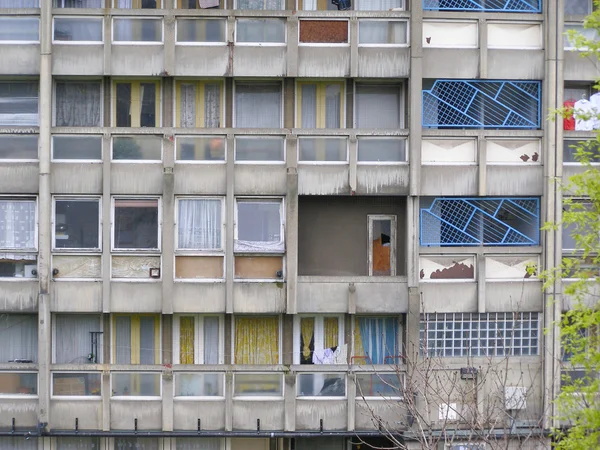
point(136, 224)
point(77, 339)
point(256, 340)
point(136, 103)
point(259, 226)
point(319, 340)
point(197, 339)
point(258, 105)
point(447, 268)
point(18, 147)
point(19, 29)
point(19, 103)
point(19, 337)
point(199, 104)
point(78, 104)
point(78, 30)
point(378, 106)
point(320, 104)
point(136, 339)
point(376, 340)
point(382, 245)
point(77, 223)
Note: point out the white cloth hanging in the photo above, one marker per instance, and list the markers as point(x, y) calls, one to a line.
point(585, 114)
point(323, 356)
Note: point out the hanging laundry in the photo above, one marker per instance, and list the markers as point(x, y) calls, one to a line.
point(585, 115)
point(324, 356)
point(569, 121)
point(595, 100)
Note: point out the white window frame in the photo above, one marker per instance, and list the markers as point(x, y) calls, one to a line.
point(198, 338)
point(59, 198)
point(136, 161)
point(570, 47)
point(186, 398)
point(22, 396)
point(195, 43)
point(384, 163)
point(12, 160)
point(540, 46)
point(279, 340)
point(131, 81)
point(381, 397)
point(135, 43)
point(74, 397)
point(54, 341)
point(393, 241)
point(400, 322)
point(16, 198)
point(67, 80)
point(201, 161)
point(251, 162)
point(281, 3)
point(37, 98)
point(135, 397)
point(261, 44)
point(324, 163)
point(279, 81)
point(403, 97)
point(282, 210)
point(58, 42)
point(78, 161)
point(318, 333)
point(28, 41)
point(406, 45)
point(200, 251)
point(593, 162)
point(195, 81)
point(324, 44)
point(112, 224)
point(343, 375)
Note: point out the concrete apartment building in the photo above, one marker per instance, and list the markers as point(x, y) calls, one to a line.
point(224, 224)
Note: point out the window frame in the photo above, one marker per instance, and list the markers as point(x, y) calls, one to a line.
point(201, 252)
point(31, 81)
point(136, 397)
point(320, 111)
point(579, 28)
point(21, 42)
point(114, 4)
point(187, 398)
point(202, 161)
point(200, 43)
point(324, 44)
point(281, 3)
point(279, 340)
point(135, 85)
point(404, 138)
point(401, 329)
point(59, 198)
point(261, 43)
point(135, 328)
point(198, 337)
point(78, 161)
point(200, 101)
point(317, 334)
point(369, 19)
point(317, 162)
point(382, 397)
point(393, 242)
point(567, 137)
point(59, 42)
point(136, 43)
point(115, 250)
point(402, 87)
point(54, 338)
point(13, 160)
point(318, 398)
point(177, 4)
point(75, 397)
point(273, 82)
point(282, 222)
point(257, 161)
point(136, 161)
point(34, 250)
point(22, 396)
point(71, 80)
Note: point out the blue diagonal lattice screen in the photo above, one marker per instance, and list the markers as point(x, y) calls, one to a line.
point(523, 6)
point(480, 221)
point(482, 104)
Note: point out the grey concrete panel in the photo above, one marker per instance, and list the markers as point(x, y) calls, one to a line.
point(136, 178)
point(198, 297)
point(23, 410)
point(211, 414)
point(148, 414)
point(23, 59)
point(323, 61)
point(382, 297)
point(77, 178)
point(516, 64)
point(64, 412)
point(502, 296)
point(207, 60)
point(135, 297)
point(310, 412)
point(255, 61)
point(441, 63)
point(19, 178)
point(323, 180)
point(143, 60)
point(322, 297)
point(449, 297)
point(577, 68)
point(514, 180)
point(76, 296)
point(383, 62)
point(382, 179)
point(389, 413)
point(449, 180)
point(259, 297)
point(246, 412)
point(18, 296)
point(78, 60)
point(260, 180)
point(200, 179)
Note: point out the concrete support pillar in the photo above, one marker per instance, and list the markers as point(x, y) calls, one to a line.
point(106, 230)
point(351, 391)
point(168, 226)
point(291, 225)
point(229, 223)
point(292, 46)
point(167, 401)
point(290, 402)
point(106, 400)
point(228, 401)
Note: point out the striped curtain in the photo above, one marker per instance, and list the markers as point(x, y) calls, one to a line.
point(186, 340)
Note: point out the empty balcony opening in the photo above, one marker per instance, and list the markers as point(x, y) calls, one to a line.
point(319, 339)
point(324, 31)
point(77, 339)
point(136, 339)
point(256, 340)
point(18, 333)
point(19, 103)
point(197, 339)
point(199, 4)
point(78, 104)
point(351, 236)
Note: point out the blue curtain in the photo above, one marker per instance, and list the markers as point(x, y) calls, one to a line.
point(379, 338)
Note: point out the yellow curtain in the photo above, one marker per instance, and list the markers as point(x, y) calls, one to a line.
point(330, 331)
point(256, 340)
point(359, 350)
point(186, 340)
point(307, 328)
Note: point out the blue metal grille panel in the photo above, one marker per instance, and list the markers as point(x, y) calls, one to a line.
point(480, 221)
point(522, 6)
point(482, 104)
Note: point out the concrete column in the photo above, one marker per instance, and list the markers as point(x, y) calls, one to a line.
point(106, 400)
point(229, 224)
point(107, 44)
point(292, 46)
point(351, 395)
point(352, 161)
point(483, 48)
point(106, 228)
point(482, 165)
point(290, 402)
point(168, 225)
point(413, 103)
point(353, 39)
point(169, 44)
point(228, 401)
point(480, 273)
point(167, 400)
point(291, 224)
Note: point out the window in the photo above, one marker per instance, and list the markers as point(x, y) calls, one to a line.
point(473, 334)
point(19, 4)
point(18, 222)
point(18, 147)
point(450, 34)
point(572, 148)
point(78, 29)
point(525, 6)
point(200, 148)
point(381, 150)
point(323, 149)
point(199, 224)
point(378, 5)
point(197, 4)
point(445, 151)
point(137, 30)
point(136, 224)
point(78, 104)
point(199, 443)
point(19, 336)
point(325, 443)
point(17, 442)
point(320, 5)
point(378, 106)
point(198, 385)
point(19, 103)
point(259, 226)
point(256, 340)
point(379, 385)
point(77, 339)
point(77, 223)
point(319, 340)
point(258, 385)
point(136, 339)
point(323, 32)
point(18, 383)
point(578, 7)
point(199, 104)
point(580, 207)
point(137, 4)
point(258, 105)
point(382, 245)
point(77, 147)
point(19, 29)
point(78, 4)
point(137, 148)
point(259, 149)
point(135, 385)
point(201, 31)
point(320, 104)
point(515, 35)
point(78, 384)
point(382, 32)
point(587, 33)
point(321, 385)
point(197, 339)
point(136, 103)
point(376, 340)
point(260, 31)
point(259, 4)
point(445, 268)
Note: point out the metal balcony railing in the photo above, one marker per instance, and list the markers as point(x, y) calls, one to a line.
point(521, 6)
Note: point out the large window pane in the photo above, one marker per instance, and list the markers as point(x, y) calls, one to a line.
point(202, 148)
point(18, 146)
point(136, 384)
point(198, 443)
point(320, 149)
point(321, 104)
point(256, 340)
point(258, 385)
point(78, 104)
point(259, 4)
point(137, 148)
point(136, 224)
point(19, 29)
point(76, 224)
point(378, 5)
point(251, 148)
point(376, 340)
point(137, 30)
point(136, 339)
point(76, 384)
point(17, 224)
point(199, 104)
point(382, 32)
point(378, 385)
point(78, 3)
point(137, 443)
point(18, 383)
point(19, 3)
point(19, 103)
point(378, 106)
point(260, 31)
point(78, 443)
point(199, 224)
point(201, 30)
point(136, 4)
point(381, 150)
point(18, 333)
point(199, 385)
point(77, 340)
point(77, 147)
point(578, 7)
point(321, 385)
point(258, 226)
point(258, 105)
point(78, 29)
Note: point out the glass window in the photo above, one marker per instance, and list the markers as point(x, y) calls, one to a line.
point(19, 103)
point(259, 4)
point(378, 5)
point(18, 224)
point(571, 147)
point(259, 149)
point(18, 383)
point(136, 104)
point(199, 224)
point(20, 29)
point(137, 148)
point(378, 106)
point(135, 224)
point(200, 148)
point(256, 341)
point(381, 150)
point(197, 4)
point(376, 340)
point(77, 443)
point(197, 339)
point(382, 245)
point(76, 384)
point(259, 226)
point(18, 146)
point(379, 385)
point(320, 104)
point(198, 385)
point(18, 443)
point(320, 340)
point(201, 30)
point(258, 385)
point(198, 443)
point(321, 385)
point(19, 4)
point(199, 104)
point(270, 31)
point(78, 4)
point(135, 385)
point(137, 30)
point(77, 223)
point(382, 32)
point(19, 338)
point(77, 147)
point(77, 339)
point(78, 29)
point(78, 104)
point(258, 105)
point(587, 33)
point(136, 340)
point(137, 4)
point(323, 149)
point(578, 7)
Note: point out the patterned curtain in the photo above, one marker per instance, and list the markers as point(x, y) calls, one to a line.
point(186, 340)
point(17, 224)
point(330, 331)
point(187, 105)
point(307, 330)
point(256, 340)
point(199, 224)
point(212, 105)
